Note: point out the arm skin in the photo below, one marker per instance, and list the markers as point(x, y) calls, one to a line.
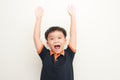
point(36, 35)
point(72, 13)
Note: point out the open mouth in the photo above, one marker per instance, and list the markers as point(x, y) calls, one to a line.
point(57, 46)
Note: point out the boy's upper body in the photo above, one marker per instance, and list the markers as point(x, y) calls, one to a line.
point(57, 61)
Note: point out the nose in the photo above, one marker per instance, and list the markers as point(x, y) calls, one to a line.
point(56, 40)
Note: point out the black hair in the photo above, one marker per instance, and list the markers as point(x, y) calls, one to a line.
point(55, 28)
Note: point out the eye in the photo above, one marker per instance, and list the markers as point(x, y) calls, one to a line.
point(59, 37)
point(51, 38)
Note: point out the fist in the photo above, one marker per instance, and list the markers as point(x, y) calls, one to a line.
point(39, 12)
point(71, 10)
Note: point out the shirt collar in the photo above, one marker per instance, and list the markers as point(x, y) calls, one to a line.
point(61, 53)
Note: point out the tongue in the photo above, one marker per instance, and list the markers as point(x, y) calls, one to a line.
point(57, 46)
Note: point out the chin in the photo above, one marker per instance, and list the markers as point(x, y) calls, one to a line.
point(58, 51)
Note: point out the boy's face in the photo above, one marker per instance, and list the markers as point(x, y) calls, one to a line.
point(56, 41)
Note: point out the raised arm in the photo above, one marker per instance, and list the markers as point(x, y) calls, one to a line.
point(72, 13)
point(36, 35)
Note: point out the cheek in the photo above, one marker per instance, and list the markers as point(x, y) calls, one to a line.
point(64, 42)
point(49, 43)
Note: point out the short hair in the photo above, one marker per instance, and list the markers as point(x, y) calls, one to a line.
point(55, 28)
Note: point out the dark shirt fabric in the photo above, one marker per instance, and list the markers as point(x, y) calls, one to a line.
point(62, 69)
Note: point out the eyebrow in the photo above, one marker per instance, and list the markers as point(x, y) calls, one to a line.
point(50, 36)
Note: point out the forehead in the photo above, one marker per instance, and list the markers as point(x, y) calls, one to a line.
point(55, 34)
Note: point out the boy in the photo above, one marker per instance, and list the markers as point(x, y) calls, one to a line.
point(57, 62)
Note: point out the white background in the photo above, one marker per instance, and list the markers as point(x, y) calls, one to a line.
point(98, 37)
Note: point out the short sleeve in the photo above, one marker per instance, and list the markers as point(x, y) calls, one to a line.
point(43, 52)
point(70, 51)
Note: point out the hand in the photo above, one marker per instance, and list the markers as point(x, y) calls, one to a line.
point(39, 12)
point(71, 10)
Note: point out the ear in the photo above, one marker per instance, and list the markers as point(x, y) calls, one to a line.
point(65, 41)
point(47, 43)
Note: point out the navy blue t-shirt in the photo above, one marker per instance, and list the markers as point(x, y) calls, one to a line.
point(62, 69)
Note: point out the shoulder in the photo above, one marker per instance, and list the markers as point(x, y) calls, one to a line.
point(70, 49)
point(42, 50)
